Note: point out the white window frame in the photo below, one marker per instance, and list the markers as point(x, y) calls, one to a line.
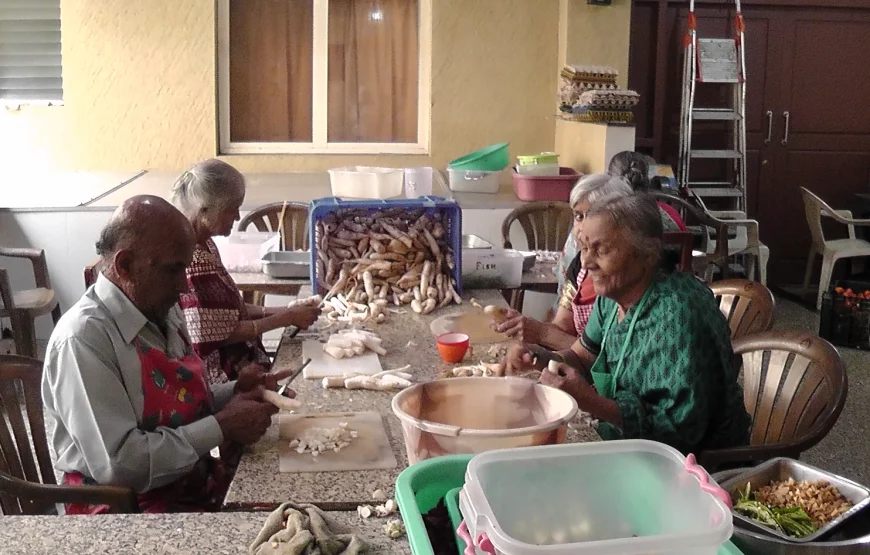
point(320, 108)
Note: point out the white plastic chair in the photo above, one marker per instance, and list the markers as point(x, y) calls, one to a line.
point(745, 243)
point(830, 250)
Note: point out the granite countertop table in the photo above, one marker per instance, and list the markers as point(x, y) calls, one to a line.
point(166, 534)
point(408, 340)
point(259, 485)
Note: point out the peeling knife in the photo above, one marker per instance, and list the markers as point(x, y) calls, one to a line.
point(293, 376)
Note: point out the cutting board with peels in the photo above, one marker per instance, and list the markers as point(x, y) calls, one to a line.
point(474, 323)
point(370, 451)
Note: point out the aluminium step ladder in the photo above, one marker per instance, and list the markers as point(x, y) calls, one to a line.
point(720, 62)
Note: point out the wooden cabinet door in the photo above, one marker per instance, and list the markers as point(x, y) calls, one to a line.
point(824, 87)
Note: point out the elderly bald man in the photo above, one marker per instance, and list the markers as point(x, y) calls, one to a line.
point(121, 383)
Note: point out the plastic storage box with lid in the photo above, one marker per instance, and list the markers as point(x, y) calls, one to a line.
point(321, 208)
point(366, 182)
point(243, 251)
point(538, 187)
point(631, 497)
point(546, 163)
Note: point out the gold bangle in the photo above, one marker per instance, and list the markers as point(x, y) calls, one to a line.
point(263, 312)
point(256, 331)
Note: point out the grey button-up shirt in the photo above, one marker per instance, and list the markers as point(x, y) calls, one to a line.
point(92, 389)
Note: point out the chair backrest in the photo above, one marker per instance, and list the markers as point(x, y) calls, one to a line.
point(20, 374)
point(794, 388)
point(813, 208)
point(6, 298)
point(546, 225)
point(91, 272)
point(747, 305)
point(294, 231)
point(685, 241)
point(694, 216)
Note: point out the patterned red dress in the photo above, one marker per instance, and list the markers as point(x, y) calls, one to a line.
point(213, 308)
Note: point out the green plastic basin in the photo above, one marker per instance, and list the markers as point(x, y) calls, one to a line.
point(420, 487)
point(490, 159)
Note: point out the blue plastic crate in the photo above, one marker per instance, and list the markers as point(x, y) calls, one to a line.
point(320, 208)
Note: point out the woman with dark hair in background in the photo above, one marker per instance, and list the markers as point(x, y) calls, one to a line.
point(634, 168)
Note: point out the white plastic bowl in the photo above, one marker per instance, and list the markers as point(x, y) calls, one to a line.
point(474, 415)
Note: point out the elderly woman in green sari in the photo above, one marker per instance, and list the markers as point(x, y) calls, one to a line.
point(655, 359)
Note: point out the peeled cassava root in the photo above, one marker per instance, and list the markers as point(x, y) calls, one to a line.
point(388, 380)
point(349, 343)
point(283, 403)
point(395, 255)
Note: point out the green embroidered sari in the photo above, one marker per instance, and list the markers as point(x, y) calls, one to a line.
point(677, 385)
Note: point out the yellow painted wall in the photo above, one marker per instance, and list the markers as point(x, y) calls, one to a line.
point(139, 80)
point(597, 35)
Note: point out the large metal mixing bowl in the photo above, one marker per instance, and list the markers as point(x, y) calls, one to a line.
point(853, 537)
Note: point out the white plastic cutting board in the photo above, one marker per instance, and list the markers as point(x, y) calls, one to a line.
point(323, 365)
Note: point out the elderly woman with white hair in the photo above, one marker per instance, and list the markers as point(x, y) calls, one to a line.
point(577, 296)
point(224, 330)
point(633, 167)
point(655, 359)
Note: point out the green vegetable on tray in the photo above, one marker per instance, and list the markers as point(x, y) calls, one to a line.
point(792, 521)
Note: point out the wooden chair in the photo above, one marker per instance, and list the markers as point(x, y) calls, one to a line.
point(294, 231)
point(91, 272)
point(747, 305)
point(685, 241)
point(794, 388)
point(696, 218)
point(23, 307)
point(27, 485)
point(546, 225)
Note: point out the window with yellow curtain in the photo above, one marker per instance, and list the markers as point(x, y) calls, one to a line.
point(363, 57)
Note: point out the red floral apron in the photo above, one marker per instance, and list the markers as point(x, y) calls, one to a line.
point(176, 394)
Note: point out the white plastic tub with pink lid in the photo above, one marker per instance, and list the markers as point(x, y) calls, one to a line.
point(631, 497)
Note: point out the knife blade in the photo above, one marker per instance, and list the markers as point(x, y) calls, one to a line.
point(293, 376)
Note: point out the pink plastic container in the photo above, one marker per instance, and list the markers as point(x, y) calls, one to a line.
point(545, 187)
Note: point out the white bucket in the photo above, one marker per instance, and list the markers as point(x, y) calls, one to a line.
point(418, 182)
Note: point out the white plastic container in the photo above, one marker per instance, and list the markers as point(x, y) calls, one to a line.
point(631, 497)
point(418, 182)
point(366, 182)
point(543, 164)
point(243, 251)
point(491, 269)
point(465, 181)
point(548, 170)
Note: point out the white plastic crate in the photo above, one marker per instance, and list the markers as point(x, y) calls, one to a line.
point(366, 182)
